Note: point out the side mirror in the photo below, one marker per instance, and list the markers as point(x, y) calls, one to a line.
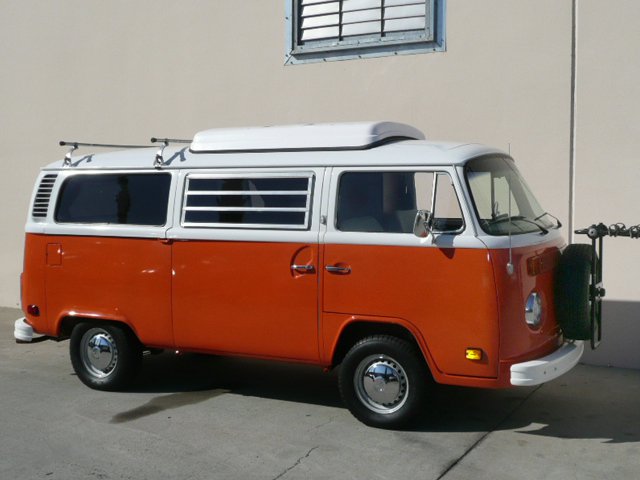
point(422, 224)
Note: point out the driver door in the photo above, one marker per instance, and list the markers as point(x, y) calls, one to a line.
point(376, 270)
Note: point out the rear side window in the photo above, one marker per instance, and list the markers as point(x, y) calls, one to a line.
point(388, 201)
point(114, 198)
point(271, 202)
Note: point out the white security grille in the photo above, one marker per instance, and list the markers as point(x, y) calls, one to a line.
point(43, 196)
point(235, 201)
point(336, 21)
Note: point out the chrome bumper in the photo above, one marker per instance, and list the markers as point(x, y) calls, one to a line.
point(545, 369)
point(22, 331)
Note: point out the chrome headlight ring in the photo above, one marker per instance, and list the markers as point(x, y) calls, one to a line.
point(533, 311)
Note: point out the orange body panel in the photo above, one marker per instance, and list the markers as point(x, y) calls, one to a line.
point(518, 342)
point(121, 279)
point(33, 282)
point(447, 296)
point(244, 298)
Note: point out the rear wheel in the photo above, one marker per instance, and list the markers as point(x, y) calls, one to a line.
point(383, 381)
point(104, 356)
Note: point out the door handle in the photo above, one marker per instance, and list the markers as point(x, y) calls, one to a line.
point(337, 269)
point(303, 268)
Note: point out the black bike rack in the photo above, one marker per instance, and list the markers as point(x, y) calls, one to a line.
point(596, 233)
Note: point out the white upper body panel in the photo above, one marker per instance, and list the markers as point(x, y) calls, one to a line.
point(319, 150)
point(402, 153)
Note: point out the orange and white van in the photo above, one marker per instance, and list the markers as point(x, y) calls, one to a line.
point(360, 245)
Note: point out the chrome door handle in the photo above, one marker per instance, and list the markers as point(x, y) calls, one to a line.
point(304, 268)
point(337, 269)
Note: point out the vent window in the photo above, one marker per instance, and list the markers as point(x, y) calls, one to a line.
point(43, 196)
point(264, 202)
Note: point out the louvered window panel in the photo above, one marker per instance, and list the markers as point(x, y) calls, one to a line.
point(43, 196)
point(349, 23)
point(260, 201)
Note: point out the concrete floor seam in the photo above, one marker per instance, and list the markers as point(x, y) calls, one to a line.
point(486, 434)
point(297, 462)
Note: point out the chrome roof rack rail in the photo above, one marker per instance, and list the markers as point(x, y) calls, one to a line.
point(159, 161)
point(75, 145)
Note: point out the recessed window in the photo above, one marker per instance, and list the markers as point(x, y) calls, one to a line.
point(320, 30)
point(271, 202)
point(388, 201)
point(115, 198)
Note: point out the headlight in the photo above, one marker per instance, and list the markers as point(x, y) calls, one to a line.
point(533, 310)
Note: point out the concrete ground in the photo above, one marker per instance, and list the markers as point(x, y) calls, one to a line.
point(195, 417)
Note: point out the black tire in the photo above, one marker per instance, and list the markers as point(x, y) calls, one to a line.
point(573, 280)
point(105, 356)
point(394, 402)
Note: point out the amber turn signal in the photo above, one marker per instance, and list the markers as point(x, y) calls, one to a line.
point(474, 354)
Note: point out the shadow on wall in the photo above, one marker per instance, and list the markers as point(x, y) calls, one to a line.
point(620, 336)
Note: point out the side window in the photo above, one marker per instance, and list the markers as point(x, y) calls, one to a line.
point(272, 202)
point(388, 201)
point(114, 198)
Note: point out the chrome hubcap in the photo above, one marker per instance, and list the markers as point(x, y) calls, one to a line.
point(99, 352)
point(381, 384)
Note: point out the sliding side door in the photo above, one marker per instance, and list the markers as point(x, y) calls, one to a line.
point(245, 263)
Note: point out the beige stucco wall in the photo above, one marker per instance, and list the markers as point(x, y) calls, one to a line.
point(608, 161)
point(608, 133)
point(124, 71)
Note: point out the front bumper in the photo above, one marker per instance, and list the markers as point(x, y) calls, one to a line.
point(545, 369)
point(22, 331)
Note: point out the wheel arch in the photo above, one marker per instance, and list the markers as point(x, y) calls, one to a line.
point(68, 322)
point(358, 329)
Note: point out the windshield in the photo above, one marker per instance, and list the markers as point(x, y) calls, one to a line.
point(503, 201)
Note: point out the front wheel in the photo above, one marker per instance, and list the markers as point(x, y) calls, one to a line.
point(104, 356)
point(383, 381)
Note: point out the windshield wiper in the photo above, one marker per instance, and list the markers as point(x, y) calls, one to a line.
point(558, 222)
point(521, 218)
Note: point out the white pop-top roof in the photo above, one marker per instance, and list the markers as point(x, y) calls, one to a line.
point(319, 136)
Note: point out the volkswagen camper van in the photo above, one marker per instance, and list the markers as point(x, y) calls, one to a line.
point(401, 260)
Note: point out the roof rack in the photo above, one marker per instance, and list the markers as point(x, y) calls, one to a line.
point(75, 145)
point(159, 161)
